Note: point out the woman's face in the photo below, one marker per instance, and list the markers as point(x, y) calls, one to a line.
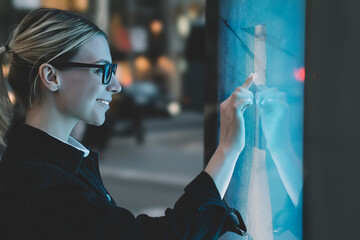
point(81, 88)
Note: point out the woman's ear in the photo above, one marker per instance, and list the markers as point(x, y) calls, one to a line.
point(49, 77)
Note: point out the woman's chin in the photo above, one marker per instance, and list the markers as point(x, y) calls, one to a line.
point(96, 122)
point(99, 124)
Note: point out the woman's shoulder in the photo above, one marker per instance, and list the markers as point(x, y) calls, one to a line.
point(24, 158)
point(30, 168)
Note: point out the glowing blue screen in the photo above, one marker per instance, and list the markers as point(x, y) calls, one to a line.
point(266, 37)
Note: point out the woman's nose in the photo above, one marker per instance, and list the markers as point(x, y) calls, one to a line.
point(114, 85)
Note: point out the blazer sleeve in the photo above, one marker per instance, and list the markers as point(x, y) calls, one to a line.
point(63, 211)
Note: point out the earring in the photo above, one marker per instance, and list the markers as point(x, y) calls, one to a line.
point(54, 89)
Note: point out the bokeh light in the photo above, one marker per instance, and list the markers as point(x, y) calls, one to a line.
point(156, 27)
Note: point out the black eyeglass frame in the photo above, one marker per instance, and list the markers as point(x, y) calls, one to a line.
point(109, 68)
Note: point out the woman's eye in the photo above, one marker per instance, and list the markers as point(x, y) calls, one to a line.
point(99, 70)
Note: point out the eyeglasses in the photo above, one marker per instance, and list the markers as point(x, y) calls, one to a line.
point(107, 69)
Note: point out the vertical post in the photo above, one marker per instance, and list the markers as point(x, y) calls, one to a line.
point(259, 206)
point(102, 15)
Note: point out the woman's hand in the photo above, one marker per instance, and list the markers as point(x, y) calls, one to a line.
point(274, 115)
point(275, 122)
point(232, 124)
point(232, 136)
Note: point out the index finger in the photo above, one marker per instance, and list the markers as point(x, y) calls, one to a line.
point(249, 81)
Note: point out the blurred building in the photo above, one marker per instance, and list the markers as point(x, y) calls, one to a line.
point(152, 41)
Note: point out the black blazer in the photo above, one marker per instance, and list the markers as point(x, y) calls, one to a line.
point(52, 192)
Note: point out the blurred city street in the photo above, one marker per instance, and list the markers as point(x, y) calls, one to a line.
point(150, 177)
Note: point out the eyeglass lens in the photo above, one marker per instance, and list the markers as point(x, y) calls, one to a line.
point(109, 70)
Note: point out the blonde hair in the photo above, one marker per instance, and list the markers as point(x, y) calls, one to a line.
point(42, 36)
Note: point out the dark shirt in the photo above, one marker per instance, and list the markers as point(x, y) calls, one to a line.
point(51, 191)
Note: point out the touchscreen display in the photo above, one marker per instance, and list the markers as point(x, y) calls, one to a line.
point(266, 37)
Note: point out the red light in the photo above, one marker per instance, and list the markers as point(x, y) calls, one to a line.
point(300, 74)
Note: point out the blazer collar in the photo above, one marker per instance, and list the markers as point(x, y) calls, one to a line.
point(23, 136)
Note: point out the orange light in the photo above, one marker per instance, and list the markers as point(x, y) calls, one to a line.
point(300, 74)
point(55, 4)
point(123, 74)
point(81, 5)
point(193, 11)
point(166, 64)
point(142, 66)
point(156, 27)
point(78, 5)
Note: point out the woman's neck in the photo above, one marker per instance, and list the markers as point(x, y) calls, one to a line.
point(49, 120)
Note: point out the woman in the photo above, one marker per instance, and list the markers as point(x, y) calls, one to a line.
point(61, 71)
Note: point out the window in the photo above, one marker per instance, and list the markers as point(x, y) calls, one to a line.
point(266, 37)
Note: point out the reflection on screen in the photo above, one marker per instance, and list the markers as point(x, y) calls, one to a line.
point(266, 37)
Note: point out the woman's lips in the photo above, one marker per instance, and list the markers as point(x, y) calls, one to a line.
point(103, 101)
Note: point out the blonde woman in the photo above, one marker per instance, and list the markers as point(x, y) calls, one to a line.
point(61, 70)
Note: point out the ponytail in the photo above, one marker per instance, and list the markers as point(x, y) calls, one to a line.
point(6, 111)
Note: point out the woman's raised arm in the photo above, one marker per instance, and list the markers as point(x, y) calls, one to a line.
point(232, 136)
